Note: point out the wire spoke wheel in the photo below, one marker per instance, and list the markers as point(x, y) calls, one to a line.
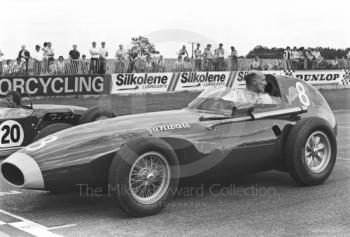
point(149, 178)
point(317, 152)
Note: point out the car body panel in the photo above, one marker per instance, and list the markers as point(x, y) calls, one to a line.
point(242, 144)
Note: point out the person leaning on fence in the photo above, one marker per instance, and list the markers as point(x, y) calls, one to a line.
point(309, 59)
point(233, 59)
point(24, 57)
point(95, 54)
point(183, 51)
point(121, 56)
point(61, 66)
point(198, 58)
point(74, 56)
point(294, 58)
point(256, 64)
point(85, 65)
point(133, 58)
point(187, 64)
point(17, 68)
point(38, 58)
point(208, 58)
point(179, 64)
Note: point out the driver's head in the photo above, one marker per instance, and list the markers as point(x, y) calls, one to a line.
point(13, 99)
point(255, 81)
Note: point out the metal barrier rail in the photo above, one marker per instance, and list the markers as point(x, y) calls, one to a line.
point(68, 67)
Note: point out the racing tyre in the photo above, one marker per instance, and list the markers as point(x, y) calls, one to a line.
point(52, 128)
point(143, 176)
point(311, 151)
point(94, 114)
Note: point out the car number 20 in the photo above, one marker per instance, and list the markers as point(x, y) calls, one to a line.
point(11, 134)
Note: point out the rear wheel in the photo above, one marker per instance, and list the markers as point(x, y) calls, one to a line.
point(52, 128)
point(143, 176)
point(94, 114)
point(311, 151)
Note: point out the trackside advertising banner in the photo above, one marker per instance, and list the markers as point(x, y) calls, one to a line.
point(196, 81)
point(56, 85)
point(125, 83)
point(318, 77)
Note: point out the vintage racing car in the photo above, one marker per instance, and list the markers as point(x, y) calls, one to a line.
point(21, 126)
point(139, 159)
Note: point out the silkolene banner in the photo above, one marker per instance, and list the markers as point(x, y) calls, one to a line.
point(56, 85)
point(140, 82)
point(194, 81)
point(318, 77)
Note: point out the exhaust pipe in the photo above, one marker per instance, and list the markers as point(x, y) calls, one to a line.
point(21, 171)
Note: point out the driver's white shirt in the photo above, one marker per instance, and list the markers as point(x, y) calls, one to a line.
point(244, 96)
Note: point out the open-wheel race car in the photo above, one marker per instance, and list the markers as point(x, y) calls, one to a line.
point(27, 123)
point(139, 159)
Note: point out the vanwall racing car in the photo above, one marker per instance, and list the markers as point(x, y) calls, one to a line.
point(140, 158)
point(21, 126)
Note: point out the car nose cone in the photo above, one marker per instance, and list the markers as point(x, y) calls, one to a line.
point(21, 170)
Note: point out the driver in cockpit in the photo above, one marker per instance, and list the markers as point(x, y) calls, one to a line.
point(255, 84)
point(13, 99)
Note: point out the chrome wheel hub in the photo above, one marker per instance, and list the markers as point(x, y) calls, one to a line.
point(317, 152)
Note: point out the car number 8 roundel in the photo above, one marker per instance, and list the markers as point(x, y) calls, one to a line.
point(11, 134)
point(304, 99)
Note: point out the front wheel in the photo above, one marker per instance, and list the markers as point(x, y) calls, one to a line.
point(311, 151)
point(143, 176)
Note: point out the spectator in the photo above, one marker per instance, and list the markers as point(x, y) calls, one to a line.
point(24, 57)
point(219, 55)
point(161, 64)
point(208, 58)
point(183, 51)
point(95, 54)
point(52, 66)
point(50, 52)
point(17, 67)
point(233, 59)
point(256, 64)
point(38, 58)
point(133, 57)
point(309, 59)
point(179, 64)
point(287, 55)
point(148, 64)
point(294, 58)
point(198, 58)
point(45, 58)
point(302, 59)
point(121, 55)
point(60, 66)
point(85, 65)
point(7, 69)
point(74, 56)
point(1, 55)
point(103, 57)
point(187, 64)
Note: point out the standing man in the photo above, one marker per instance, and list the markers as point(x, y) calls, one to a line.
point(24, 57)
point(233, 59)
point(287, 55)
point(183, 51)
point(95, 54)
point(38, 58)
point(103, 58)
point(208, 58)
point(74, 57)
point(198, 58)
point(121, 55)
point(219, 55)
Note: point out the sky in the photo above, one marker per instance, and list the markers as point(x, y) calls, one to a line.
point(170, 24)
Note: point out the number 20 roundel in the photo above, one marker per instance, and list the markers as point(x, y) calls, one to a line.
point(11, 134)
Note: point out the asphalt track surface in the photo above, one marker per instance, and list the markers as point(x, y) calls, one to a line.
point(265, 204)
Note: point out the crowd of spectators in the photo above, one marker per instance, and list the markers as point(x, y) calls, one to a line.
point(42, 60)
